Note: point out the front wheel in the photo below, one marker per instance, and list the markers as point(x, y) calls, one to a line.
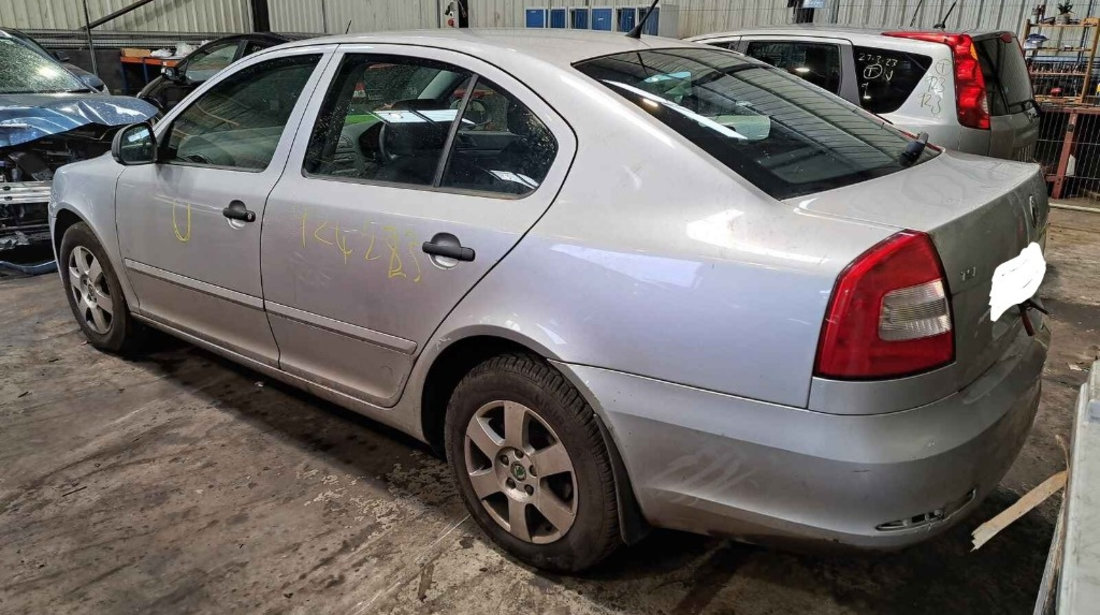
point(531, 464)
point(94, 293)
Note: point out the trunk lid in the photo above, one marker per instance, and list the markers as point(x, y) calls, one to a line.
point(979, 212)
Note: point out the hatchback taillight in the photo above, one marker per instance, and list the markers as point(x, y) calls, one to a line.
point(889, 314)
point(970, 94)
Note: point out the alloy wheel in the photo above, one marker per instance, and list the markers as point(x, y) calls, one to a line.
point(90, 289)
point(521, 472)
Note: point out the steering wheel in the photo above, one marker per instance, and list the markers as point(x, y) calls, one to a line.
point(476, 112)
point(382, 134)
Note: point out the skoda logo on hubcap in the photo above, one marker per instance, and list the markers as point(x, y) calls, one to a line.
point(518, 472)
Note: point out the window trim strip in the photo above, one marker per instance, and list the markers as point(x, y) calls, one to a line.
point(452, 134)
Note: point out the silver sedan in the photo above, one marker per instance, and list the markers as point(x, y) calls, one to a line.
point(618, 283)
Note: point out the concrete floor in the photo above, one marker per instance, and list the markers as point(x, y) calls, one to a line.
point(182, 483)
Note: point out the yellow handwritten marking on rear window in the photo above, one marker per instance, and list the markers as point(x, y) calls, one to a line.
point(182, 237)
point(396, 268)
point(412, 253)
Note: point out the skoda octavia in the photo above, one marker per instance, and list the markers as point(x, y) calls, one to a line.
point(618, 283)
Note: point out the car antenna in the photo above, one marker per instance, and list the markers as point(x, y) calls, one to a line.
point(637, 31)
point(913, 21)
point(348, 29)
point(942, 25)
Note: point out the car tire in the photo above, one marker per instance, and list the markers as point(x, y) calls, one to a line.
point(94, 293)
point(566, 511)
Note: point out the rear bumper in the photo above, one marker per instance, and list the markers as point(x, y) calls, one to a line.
point(711, 463)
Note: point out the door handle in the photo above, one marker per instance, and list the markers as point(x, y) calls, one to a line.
point(238, 211)
point(456, 252)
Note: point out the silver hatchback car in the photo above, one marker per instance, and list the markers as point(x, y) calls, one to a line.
point(968, 91)
point(618, 283)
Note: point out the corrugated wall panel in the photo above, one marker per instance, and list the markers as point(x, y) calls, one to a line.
point(162, 15)
point(695, 16)
point(333, 16)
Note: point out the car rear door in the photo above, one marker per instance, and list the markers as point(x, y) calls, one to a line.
point(189, 225)
point(381, 168)
point(1014, 118)
point(823, 61)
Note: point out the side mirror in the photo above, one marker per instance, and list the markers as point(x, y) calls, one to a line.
point(61, 56)
point(171, 73)
point(135, 144)
point(93, 81)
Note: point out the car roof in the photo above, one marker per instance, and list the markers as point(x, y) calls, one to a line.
point(855, 34)
point(560, 47)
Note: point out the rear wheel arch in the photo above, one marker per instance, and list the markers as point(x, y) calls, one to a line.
point(461, 356)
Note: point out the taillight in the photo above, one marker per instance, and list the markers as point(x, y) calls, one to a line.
point(970, 93)
point(889, 314)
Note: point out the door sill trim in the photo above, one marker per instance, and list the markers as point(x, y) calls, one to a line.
point(196, 285)
point(392, 342)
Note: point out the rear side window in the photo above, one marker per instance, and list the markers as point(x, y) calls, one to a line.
point(1005, 73)
point(386, 119)
point(886, 78)
point(500, 146)
point(818, 63)
point(785, 137)
point(393, 118)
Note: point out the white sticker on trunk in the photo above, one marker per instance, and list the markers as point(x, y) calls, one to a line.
point(1016, 280)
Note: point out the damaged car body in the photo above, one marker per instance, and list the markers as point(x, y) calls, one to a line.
point(48, 118)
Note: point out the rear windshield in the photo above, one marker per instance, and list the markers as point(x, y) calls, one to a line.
point(886, 77)
point(783, 135)
point(1005, 74)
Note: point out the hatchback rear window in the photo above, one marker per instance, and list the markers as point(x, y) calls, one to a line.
point(784, 136)
point(1005, 74)
point(886, 78)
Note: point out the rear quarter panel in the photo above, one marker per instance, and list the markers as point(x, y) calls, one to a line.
point(658, 261)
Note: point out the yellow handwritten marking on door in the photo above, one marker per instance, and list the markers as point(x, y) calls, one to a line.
point(304, 215)
point(392, 239)
point(370, 248)
point(183, 238)
point(412, 253)
point(342, 244)
point(318, 237)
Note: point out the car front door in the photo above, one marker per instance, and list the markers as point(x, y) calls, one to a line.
point(189, 224)
point(824, 62)
point(419, 172)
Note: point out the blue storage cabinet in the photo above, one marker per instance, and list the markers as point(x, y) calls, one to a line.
point(603, 19)
point(651, 26)
point(535, 18)
point(626, 18)
point(578, 19)
point(557, 18)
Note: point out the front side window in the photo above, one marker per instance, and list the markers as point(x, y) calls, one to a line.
point(786, 138)
point(239, 121)
point(818, 63)
point(206, 63)
point(886, 77)
point(425, 123)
